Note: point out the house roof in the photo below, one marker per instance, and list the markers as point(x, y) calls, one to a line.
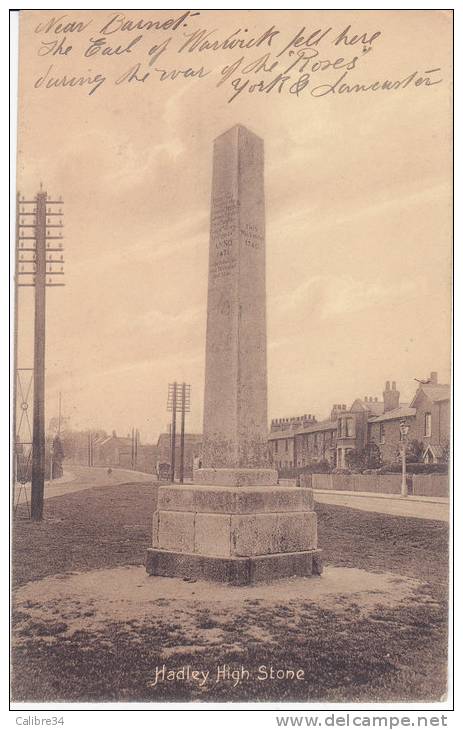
point(435, 393)
point(375, 407)
point(395, 413)
point(314, 428)
point(123, 440)
point(321, 426)
point(190, 438)
point(435, 449)
point(285, 433)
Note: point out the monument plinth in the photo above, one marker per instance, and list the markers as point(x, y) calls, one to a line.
point(234, 523)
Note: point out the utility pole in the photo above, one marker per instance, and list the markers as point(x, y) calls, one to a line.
point(15, 355)
point(42, 259)
point(185, 407)
point(90, 448)
point(38, 440)
point(134, 451)
point(178, 399)
point(172, 406)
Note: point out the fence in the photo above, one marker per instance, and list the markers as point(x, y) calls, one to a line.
point(425, 485)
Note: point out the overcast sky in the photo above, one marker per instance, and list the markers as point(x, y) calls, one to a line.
point(358, 195)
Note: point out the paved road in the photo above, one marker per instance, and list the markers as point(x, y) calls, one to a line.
point(76, 478)
point(425, 508)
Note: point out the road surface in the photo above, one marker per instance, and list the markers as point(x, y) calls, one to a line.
point(76, 478)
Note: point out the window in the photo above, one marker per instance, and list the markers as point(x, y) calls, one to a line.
point(333, 433)
point(315, 441)
point(276, 447)
point(427, 424)
point(382, 437)
point(349, 427)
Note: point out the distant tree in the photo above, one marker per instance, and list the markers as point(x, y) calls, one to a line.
point(75, 443)
point(356, 459)
point(414, 451)
point(367, 458)
point(373, 456)
point(446, 452)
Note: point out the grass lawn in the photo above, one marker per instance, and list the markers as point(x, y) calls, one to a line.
point(391, 653)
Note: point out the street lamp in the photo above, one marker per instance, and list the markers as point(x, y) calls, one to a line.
point(404, 429)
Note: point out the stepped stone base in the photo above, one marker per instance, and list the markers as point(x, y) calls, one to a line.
point(232, 534)
point(235, 571)
point(236, 477)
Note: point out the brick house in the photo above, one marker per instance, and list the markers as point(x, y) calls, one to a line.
point(316, 443)
point(432, 424)
point(385, 431)
point(428, 418)
point(113, 451)
point(296, 442)
point(122, 452)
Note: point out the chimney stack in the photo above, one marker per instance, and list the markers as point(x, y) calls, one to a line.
point(433, 378)
point(391, 396)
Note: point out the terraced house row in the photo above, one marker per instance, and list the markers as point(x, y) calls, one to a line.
point(300, 441)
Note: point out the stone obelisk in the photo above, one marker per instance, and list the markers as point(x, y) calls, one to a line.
point(234, 523)
point(235, 449)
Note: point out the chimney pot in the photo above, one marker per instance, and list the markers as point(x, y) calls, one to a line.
point(366, 398)
point(391, 397)
point(433, 377)
point(376, 400)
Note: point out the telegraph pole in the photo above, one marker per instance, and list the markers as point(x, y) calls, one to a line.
point(42, 259)
point(174, 424)
point(38, 440)
point(15, 354)
point(178, 399)
point(90, 448)
point(185, 407)
point(134, 452)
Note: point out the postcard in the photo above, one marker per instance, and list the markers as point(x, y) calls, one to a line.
point(232, 357)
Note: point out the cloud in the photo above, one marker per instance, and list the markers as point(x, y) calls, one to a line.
point(329, 297)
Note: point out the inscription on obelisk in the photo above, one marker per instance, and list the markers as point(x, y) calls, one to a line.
point(235, 401)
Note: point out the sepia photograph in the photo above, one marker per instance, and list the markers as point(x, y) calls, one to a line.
point(231, 374)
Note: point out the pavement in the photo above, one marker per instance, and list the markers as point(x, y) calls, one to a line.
point(424, 508)
point(78, 478)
